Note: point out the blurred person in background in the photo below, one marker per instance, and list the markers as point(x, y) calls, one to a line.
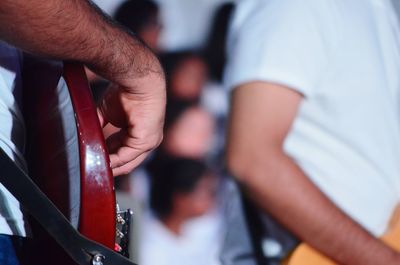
point(142, 18)
point(189, 131)
point(187, 73)
point(182, 189)
point(314, 136)
point(188, 136)
point(188, 81)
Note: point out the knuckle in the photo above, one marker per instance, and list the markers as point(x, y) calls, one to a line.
point(154, 142)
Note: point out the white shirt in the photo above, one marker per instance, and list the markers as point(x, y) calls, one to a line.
point(186, 23)
point(344, 57)
point(12, 135)
point(199, 243)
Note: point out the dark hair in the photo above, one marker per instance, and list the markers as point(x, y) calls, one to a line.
point(215, 51)
point(174, 110)
point(171, 60)
point(136, 14)
point(170, 176)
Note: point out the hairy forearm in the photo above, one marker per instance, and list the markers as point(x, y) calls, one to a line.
point(279, 186)
point(76, 30)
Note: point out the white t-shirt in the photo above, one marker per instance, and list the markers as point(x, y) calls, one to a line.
point(12, 135)
point(186, 23)
point(344, 57)
point(199, 243)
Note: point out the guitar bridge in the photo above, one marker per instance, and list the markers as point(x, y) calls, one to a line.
point(123, 221)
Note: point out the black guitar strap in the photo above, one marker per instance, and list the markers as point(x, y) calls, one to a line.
point(82, 250)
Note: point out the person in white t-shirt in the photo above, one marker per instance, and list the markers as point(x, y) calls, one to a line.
point(76, 30)
point(315, 122)
point(184, 227)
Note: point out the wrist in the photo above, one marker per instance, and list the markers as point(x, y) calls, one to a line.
point(124, 58)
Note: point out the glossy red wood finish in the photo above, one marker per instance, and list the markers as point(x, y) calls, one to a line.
point(47, 161)
point(97, 214)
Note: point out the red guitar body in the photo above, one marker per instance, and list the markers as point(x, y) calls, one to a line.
point(80, 184)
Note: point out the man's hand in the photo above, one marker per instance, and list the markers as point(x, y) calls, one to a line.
point(137, 125)
point(78, 30)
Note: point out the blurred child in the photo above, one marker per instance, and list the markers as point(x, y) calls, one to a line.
point(189, 131)
point(181, 190)
point(186, 73)
point(142, 18)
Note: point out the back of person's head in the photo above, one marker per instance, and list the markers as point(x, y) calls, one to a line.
point(141, 17)
point(189, 130)
point(186, 73)
point(181, 186)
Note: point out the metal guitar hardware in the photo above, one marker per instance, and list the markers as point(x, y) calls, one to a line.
point(98, 259)
point(124, 219)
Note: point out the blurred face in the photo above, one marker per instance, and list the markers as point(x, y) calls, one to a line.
point(150, 33)
point(199, 201)
point(192, 134)
point(189, 78)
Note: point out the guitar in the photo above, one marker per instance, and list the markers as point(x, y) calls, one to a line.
point(81, 185)
point(306, 255)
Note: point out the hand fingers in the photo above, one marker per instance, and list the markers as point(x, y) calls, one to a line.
point(128, 167)
point(124, 155)
point(124, 149)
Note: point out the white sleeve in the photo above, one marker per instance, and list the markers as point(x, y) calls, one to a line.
point(278, 41)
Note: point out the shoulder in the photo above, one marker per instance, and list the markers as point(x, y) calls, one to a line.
point(279, 37)
point(253, 13)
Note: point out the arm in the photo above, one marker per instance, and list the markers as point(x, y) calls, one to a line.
point(77, 30)
point(261, 116)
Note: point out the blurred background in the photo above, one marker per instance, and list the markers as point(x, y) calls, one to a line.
point(179, 195)
point(187, 210)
